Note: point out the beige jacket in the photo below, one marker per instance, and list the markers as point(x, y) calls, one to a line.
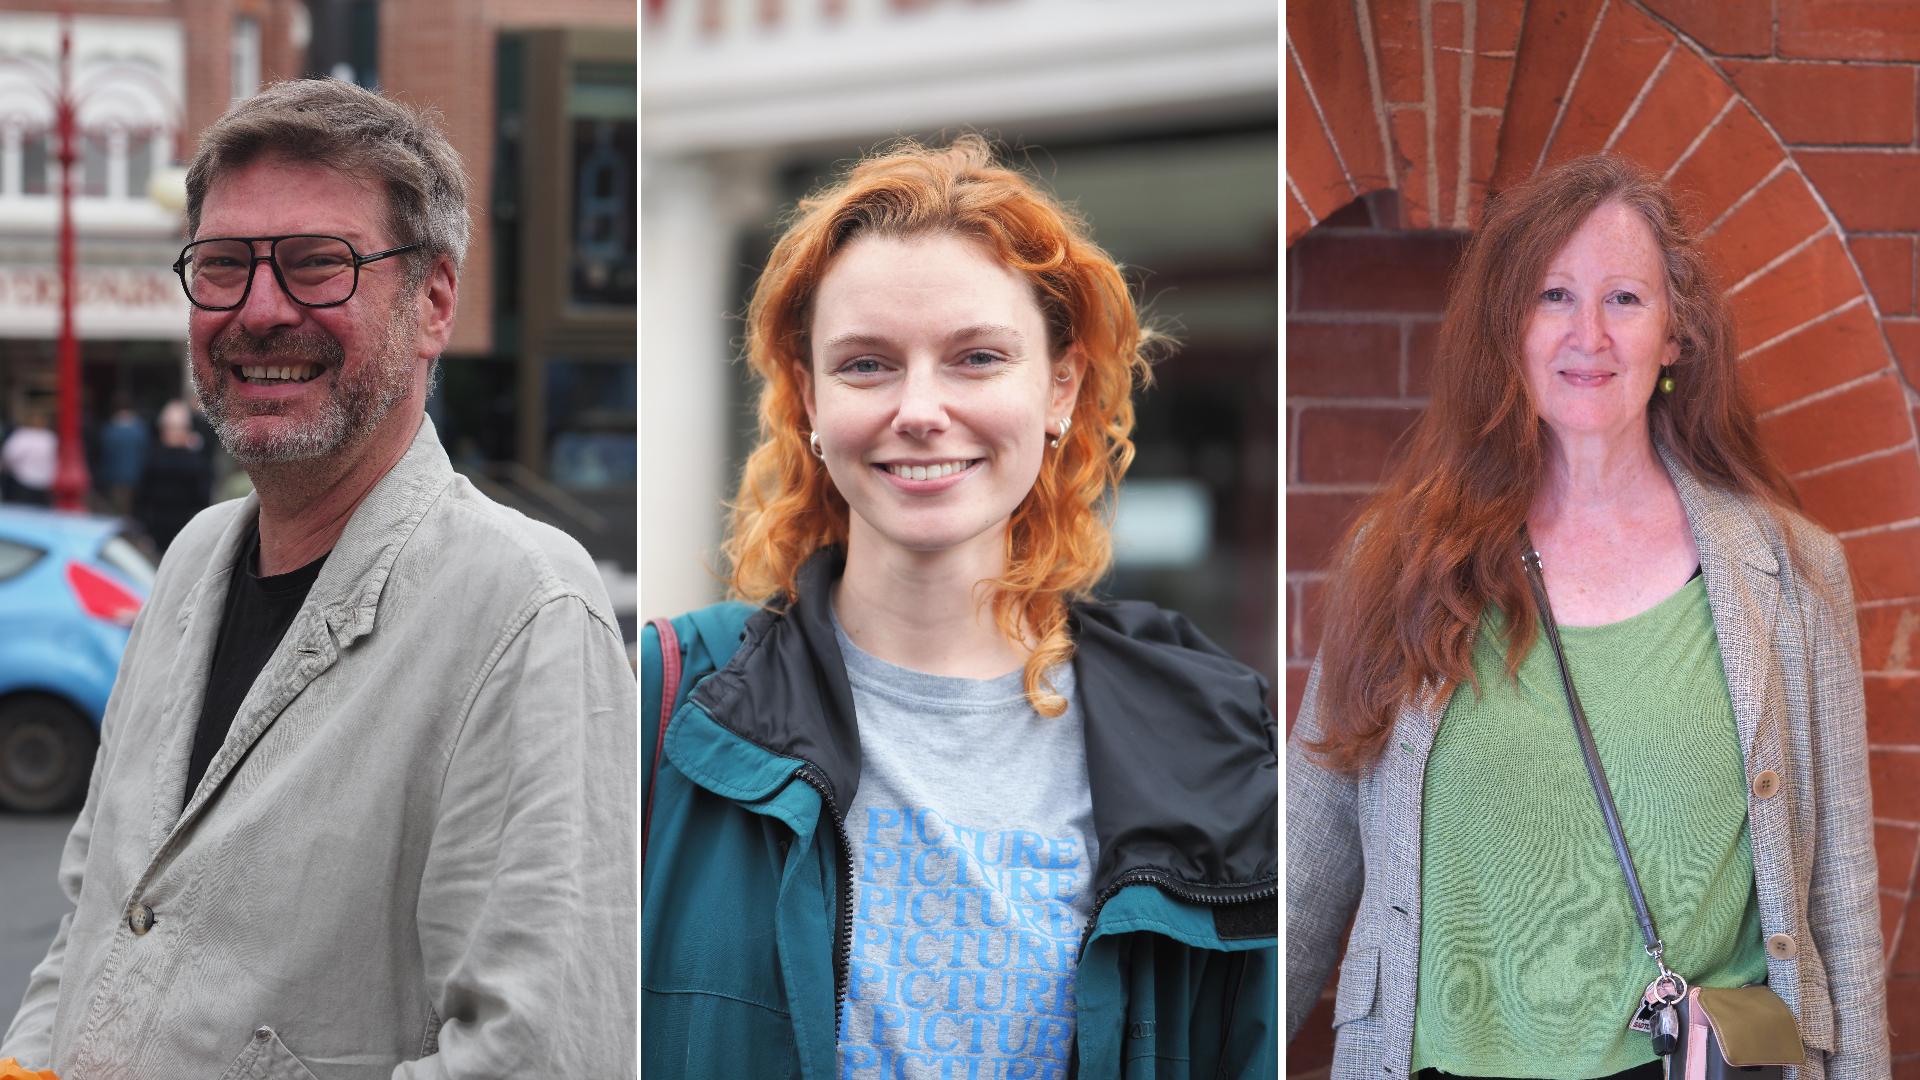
point(412, 857)
point(1791, 652)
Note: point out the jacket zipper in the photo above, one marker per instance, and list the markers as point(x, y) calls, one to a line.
point(843, 900)
point(1167, 884)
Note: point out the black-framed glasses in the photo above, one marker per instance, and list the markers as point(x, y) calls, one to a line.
point(314, 271)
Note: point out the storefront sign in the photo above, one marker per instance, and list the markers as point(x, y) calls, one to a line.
point(112, 302)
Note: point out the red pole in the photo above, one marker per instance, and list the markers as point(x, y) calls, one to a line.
point(70, 481)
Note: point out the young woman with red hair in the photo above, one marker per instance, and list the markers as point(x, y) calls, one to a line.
point(1586, 408)
point(920, 806)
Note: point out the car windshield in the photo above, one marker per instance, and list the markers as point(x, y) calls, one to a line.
point(119, 553)
point(16, 557)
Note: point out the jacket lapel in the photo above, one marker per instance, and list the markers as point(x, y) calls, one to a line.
point(1742, 573)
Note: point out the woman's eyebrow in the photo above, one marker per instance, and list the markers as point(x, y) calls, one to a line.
point(977, 330)
point(980, 330)
point(855, 337)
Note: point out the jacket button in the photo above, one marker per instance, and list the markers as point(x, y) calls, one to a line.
point(263, 1033)
point(140, 919)
point(1782, 947)
point(1766, 784)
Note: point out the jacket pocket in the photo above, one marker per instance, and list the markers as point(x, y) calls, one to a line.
point(1359, 979)
point(266, 1058)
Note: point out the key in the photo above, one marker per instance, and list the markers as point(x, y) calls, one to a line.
point(1666, 1030)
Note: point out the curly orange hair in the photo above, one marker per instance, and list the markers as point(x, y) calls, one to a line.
point(1057, 545)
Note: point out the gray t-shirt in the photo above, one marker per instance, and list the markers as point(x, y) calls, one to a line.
point(973, 854)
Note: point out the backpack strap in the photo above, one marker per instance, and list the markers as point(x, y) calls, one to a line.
point(669, 692)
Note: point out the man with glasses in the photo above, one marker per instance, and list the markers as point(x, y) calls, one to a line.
point(364, 801)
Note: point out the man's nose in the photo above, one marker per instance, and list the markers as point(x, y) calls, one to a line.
point(268, 307)
point(923, 408)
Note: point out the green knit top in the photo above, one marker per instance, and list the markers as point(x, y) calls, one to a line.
point(1531, 961)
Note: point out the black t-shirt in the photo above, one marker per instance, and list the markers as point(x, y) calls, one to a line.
point(258, 612)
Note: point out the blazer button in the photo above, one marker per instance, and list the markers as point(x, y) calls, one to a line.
point(140, 919)
point(1782, 947)
point(1766, 784)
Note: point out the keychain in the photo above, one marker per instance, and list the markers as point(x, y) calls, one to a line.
point(1657, 1016)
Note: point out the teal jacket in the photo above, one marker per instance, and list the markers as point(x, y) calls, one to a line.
point(745, 929)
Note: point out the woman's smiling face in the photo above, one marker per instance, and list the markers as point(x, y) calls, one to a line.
point(1600, 327)
point(932, 390)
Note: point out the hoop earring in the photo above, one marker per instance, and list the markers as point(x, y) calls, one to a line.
point(813, 443)
point(1065, 423)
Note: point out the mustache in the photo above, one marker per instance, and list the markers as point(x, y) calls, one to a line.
point(237, 347)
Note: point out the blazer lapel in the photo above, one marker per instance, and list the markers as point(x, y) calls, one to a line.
point(1742, 573)
point(305, 652)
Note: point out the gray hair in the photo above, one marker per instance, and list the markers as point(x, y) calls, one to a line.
point(356, 132)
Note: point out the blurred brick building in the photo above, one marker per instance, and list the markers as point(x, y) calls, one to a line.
point(1788, 129)
point(538, 96)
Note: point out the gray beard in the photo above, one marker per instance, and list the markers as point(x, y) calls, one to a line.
point(350, 413)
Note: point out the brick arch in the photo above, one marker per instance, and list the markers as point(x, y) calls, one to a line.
point(1403, 114)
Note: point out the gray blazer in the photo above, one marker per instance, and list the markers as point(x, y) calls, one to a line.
point(1791, 651)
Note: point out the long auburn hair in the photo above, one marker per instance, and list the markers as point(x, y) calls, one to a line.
point(1057, 545)
point(1440, 540)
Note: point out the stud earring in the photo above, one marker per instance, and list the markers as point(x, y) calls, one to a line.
point(813, 443)
point(1065, 423)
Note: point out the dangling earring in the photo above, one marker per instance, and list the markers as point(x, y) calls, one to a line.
point(813, 442)
point(1065, 423)
point(1666, 380)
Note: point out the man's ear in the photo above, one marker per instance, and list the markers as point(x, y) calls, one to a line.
point(438, 297)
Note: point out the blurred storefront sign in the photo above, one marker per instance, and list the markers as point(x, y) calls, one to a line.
point(113, 302)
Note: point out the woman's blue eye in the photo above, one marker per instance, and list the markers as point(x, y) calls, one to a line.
point(864, 365)
point(1555, 295)
point(1626, 298)
point(980, 358)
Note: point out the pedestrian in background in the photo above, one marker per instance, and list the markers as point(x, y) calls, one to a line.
point(28, 460)
point(123, 453)
point(177, 481)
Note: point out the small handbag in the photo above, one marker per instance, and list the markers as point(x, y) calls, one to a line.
point(1706, 1033)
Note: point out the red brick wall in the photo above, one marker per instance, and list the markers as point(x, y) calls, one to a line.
point(1789, 132)
point(1363, 302)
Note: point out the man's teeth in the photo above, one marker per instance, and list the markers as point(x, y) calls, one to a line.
point(927, 472)
point(292, 373)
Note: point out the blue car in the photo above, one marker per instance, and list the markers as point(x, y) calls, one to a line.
point(70, 585)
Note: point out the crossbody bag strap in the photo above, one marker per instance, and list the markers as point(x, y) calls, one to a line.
point(669, 692)
point(1596, 774)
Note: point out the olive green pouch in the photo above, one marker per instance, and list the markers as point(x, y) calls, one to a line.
point(1744, 1033)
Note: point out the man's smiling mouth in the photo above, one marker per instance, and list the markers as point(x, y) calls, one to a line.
point(277, 373)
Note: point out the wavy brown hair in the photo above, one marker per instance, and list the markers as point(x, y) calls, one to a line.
point(1440, 540)
point(1057, 545)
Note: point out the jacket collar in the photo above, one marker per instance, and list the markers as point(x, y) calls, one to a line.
point(347, 592)
point(1745, 563)
point(1727, 529)
point(1180, 745)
